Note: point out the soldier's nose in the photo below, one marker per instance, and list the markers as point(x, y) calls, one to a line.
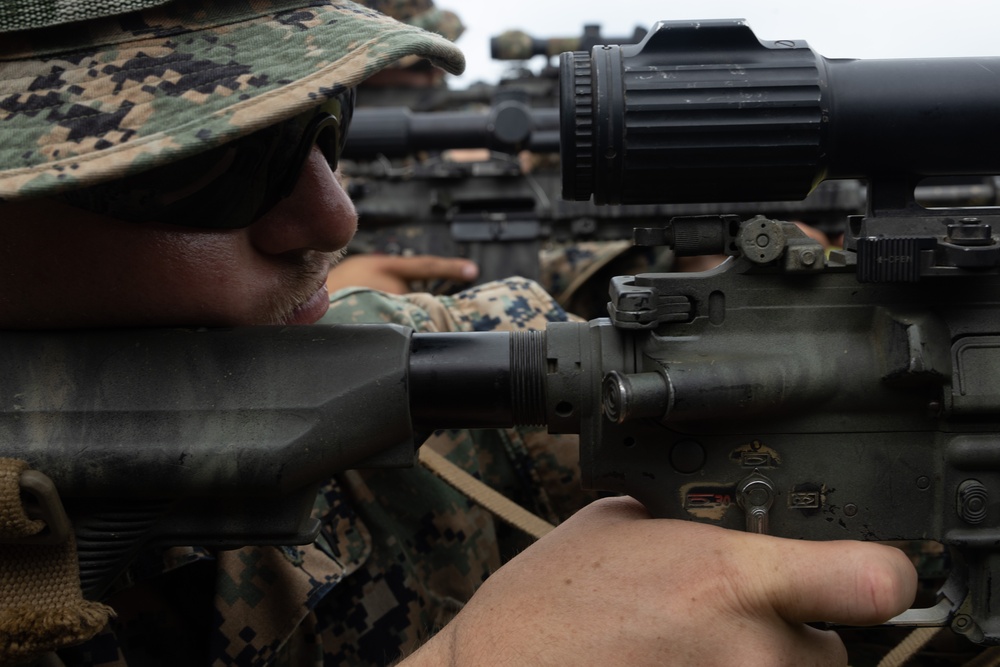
point(318, 215)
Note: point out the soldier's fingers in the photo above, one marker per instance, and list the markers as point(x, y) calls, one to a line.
point(814, 234)
point(846, 582)
point(851, 583)
point(430, 267)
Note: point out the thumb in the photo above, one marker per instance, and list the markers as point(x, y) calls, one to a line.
point(849, 583)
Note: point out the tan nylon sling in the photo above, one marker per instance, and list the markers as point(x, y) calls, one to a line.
point(41, 604)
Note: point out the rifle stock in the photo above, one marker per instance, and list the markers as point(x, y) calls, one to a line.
point(208, 437)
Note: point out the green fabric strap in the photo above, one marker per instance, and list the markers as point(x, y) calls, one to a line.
point(29, 14)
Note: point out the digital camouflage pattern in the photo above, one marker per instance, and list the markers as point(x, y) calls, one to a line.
point(577, 273)
point(421, 13)
point(443, 22)
point(111, 97)
point(399, 553)
point(30, 14)
point(401, 10)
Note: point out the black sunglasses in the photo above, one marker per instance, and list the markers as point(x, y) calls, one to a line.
point(230, 186)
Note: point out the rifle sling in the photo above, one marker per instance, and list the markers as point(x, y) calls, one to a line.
point(41, 604)
point(483, 495)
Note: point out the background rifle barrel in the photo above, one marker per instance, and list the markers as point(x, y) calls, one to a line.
point(706, 112)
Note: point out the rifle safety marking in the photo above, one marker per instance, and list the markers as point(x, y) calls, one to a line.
point(755, 459)
point(808, 497)
point(805, 500)
point(708, 501)
point(755, 454)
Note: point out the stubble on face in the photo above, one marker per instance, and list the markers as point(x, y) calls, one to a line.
point(300, 282)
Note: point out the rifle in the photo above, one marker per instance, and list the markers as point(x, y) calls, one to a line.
point(786, 391)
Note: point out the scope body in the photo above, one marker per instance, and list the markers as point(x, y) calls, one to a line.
point(508, 127)
point(704, 111)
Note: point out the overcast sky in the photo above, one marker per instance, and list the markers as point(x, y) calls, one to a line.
point(833, 28)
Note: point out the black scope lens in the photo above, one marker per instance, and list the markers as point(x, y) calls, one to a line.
point(706, 112)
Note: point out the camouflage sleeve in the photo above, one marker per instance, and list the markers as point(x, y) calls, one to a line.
point(514, 303)
point(431, 547)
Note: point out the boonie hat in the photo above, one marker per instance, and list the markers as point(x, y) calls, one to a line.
point(89, 94)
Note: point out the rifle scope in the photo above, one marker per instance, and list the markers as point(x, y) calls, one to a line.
point(396, 132)
point(518, 45)
point(706, 112)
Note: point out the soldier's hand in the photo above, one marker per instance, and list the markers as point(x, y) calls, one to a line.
point(394, 274)
point(611, 586)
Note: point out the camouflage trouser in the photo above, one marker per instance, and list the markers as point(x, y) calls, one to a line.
point(399, 552)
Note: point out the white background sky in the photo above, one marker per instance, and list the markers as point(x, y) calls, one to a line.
point(833, 28)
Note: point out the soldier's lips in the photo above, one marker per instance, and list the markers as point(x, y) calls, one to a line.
point(313, 308)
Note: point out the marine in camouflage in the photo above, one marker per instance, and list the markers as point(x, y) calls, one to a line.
point(577, 273)
point(443, 22)
point(401, 10)
point(112, 97)
point(399, 552)
point(422, 14)
point(513, 45)
point(30, 14)
point(519, 45)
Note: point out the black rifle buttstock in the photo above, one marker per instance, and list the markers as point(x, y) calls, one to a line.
point(200, 437)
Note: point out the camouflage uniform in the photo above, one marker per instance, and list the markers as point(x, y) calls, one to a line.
point(421, 13)
point(399, 553)
point(578, 273)
point(424, 15)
